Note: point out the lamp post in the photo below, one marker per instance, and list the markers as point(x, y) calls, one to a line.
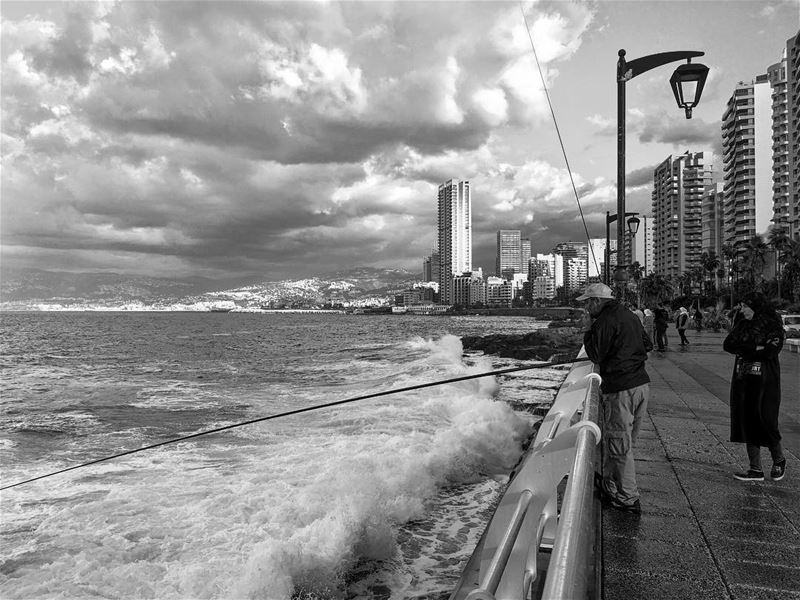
point(633, 227)
point(687, 85)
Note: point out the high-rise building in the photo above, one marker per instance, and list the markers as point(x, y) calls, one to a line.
point(782, 216)
point(455, 235)
point(596, 259)
point(573, 265)
point(525, 255)
point(713, 199)
point(793, 129)
point(509, 251)
point(642, 247)
point(430, 267)
point(678, 186)
point(747, 162)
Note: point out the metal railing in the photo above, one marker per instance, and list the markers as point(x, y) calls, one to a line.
point(532, 547)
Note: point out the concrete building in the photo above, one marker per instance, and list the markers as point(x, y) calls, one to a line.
point(525, 255)
point(782, 210)
point(793, 130)
point(469, 289)
point(509, 252)
point(541, 277)
point(431, 267)
point(747, 162)
point(596, 258)
point(499, 292)
point(455, 235)
point(642, 245)
point(572, 264)
point(711, 215)
point(678, 186)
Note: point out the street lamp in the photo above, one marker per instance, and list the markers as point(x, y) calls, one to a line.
point(691, 75)
point(633, 227)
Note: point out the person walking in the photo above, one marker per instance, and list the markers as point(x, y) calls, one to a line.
point(755, 398)
point(661, 321)
point(649, 322)
point(681, 323)
point(618, 344)
point(698, 318)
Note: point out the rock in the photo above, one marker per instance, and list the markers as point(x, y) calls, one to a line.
point(536, 345)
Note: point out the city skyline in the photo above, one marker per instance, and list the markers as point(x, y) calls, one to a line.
point(266, 140)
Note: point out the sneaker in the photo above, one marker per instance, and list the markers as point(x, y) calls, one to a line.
point(778, 470)
point(751, 475)
point(635, 508)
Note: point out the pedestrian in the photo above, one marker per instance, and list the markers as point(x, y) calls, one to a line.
point(649, 322)
point(681, 323)
point(661, 322)
point(638, 312)
point(698, 319)
point(756, 340)
point(618, 344)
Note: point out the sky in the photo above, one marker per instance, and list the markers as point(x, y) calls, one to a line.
point(255, 141)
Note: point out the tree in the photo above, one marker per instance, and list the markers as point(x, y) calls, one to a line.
point(755, 259)
point(791, 269)
point(655, 287)
point(779, 240)
point(710, 263)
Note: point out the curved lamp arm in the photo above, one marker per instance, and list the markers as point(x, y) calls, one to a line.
point(628, 70)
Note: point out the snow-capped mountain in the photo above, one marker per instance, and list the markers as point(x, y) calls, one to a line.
point(44, 290)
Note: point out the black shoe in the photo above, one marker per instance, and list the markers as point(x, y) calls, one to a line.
point(635, 507)
point(778, 470)
point(751, 475)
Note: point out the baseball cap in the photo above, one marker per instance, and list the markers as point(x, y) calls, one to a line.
point(596, 290)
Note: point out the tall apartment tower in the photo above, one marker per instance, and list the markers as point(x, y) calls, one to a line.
point(642, 247)
point(455, 235)
point(713, 224)
point(678, 185)
point(525, 255)
point(509, 253)
point(782, 216)
point(793, 130)
point(747, 162)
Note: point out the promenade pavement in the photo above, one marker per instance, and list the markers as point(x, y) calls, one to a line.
point(703, 534)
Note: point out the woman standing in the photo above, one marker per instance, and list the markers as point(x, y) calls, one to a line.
point(681, 323)
point(756, 340)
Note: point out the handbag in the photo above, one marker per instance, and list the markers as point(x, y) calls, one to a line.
point(747, 367)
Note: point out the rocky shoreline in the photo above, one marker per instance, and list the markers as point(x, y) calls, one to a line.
point(558, 343)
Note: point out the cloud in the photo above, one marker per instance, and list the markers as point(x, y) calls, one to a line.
point(250, 137)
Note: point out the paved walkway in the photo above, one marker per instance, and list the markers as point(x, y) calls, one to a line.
point(702, 534)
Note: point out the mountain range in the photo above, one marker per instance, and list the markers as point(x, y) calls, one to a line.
point(42, 290)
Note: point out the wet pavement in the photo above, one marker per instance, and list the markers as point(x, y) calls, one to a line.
point(702, 534)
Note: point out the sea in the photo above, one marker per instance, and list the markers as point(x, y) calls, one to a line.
point(378, 498)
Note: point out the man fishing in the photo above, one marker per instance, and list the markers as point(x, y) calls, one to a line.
point(618, 344)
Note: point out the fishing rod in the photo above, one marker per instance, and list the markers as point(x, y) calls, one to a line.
point(289, 413)
point(558, 133)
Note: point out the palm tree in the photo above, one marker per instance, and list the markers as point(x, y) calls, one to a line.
point(791, 269)
point(779, 240)
point(729, 254)
point(655, 287)
point(710, 263)
point(755, 258)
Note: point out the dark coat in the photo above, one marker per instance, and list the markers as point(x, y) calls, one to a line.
point(618, 344)
point(756, 399)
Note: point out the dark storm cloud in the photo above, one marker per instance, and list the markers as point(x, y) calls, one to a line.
point(643, 176)
point(678, 131)
point(206, 135)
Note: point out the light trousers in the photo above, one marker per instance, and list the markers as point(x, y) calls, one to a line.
point(623, 415)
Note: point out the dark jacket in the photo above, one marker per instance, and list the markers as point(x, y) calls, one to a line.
point(756, 399)
point(618, 344)
point(661, 320)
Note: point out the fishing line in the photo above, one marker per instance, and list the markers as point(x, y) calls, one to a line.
point(289, 413)
point(558, 132)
